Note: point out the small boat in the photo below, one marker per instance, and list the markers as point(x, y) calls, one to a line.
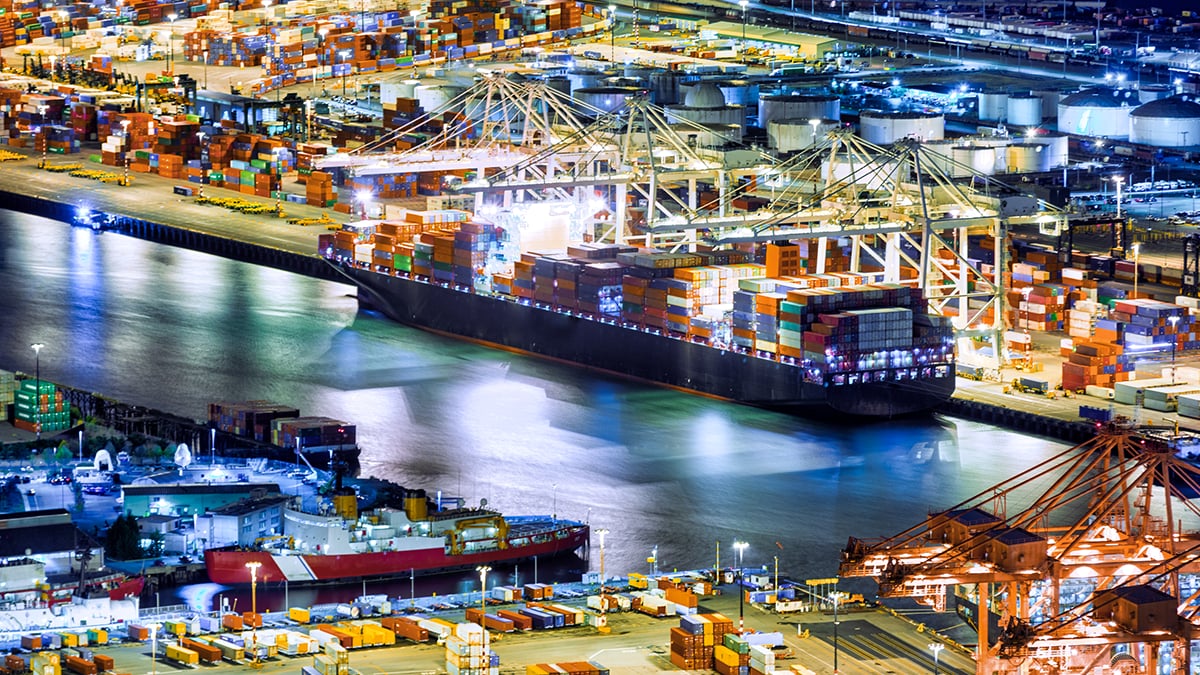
point(97, 221)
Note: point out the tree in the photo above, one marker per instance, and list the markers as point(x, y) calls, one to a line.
point(63, 454)
point(78, 490)
point(123, 541)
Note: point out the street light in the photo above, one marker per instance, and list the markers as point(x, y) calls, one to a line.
point(42, 110)
point(37, 381)
point(836, 597)
point(612, 32)
point(740, 547)
point(128, 147)
point(1174, 320)
point(63, 17)
point(815, 123)
point(1118, 180)
point(1137, 248)
point(205, 68)
point(253, 567)
point(600, 533)
point(171, 45)
point(936, 648)
point(744, 4)
point(554, 503)
point(483, 570)
point(153, 647)
point(266, 8)
point(345, 54)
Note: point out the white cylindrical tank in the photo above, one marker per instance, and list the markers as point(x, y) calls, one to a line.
point(708, 135)
point(792, 135)
point(705, 104)
point(739, 92)
point(885, 128)
point(973, 160)
point(1027, 158)
point(432, 97)
point(1097, 112)
point(993, 106)
point(1050, 99)
point(1153, 92)
point(584, 78)
point(798, 107)
point(865, 171)
point(606, 99)
point(940, 155)
point(390, 91)
point(664, 87)
point(1024, 110)
point(1168, 122)
point(1056, 147)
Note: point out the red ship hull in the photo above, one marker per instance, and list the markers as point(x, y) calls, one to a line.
point(229, 566)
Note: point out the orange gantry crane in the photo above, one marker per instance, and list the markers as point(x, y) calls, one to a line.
point(1096, 574)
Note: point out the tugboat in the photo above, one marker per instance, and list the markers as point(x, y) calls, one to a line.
point(97, 221)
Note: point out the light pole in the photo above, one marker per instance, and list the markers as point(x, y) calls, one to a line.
point(37, 381)
point(744, 4)
point(345, 54)
point(206, 69)
point(153, 647)
point(266, 8)
point(836, 597)
point(740, 547)
point(1118, 180)
point(936, 648)
point(600, 533)
point(612, 33)
point(42, 110)
point(128, 148)
point(554, 503)
point(1174, 320)
point(62, 33)
point(1137, 248)
point(253, 567)
point(653, 560)
point(483, 570)
point(171, 44)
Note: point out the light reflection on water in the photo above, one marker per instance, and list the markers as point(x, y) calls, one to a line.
point(174, 329)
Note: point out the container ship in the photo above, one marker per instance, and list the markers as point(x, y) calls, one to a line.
point(423, 537)
point(704, 322)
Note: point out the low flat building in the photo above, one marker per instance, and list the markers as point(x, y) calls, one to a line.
point(188, 499)
point(49, 537)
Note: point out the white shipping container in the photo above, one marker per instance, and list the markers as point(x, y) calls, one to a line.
point(1096, 391)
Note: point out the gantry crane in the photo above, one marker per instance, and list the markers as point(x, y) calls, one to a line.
point(1093, 575)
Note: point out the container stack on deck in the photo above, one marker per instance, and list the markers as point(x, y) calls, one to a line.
point(40, 403)
point(693, 642)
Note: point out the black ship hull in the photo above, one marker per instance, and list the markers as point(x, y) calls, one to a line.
point(637, 354)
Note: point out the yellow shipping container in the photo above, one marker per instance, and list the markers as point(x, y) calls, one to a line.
point(183, 655)
point(98, 636)
point(175, 627)
point(725, 655)
point(69, 639)
point(299, 614)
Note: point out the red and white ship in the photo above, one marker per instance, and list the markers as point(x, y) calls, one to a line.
point(388, 542)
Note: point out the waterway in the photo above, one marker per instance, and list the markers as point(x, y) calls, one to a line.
point(175, 329)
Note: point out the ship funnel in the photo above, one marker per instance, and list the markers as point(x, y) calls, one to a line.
point(415, 505)
point(345, 504)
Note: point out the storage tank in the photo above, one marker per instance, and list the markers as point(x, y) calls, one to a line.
point(797, 134)
point(999, 145)
point(993, 105)
point(885, 128)
point(640, 73)
point(973, 160)
point(798, 107)
point(583, 78)
point(1056, 148)
point(739, 92)
point(559, 83)
point(664, 87)
point(433, 97)
point(871, 173)
point(939, 154)
point(1168, 122)
point(1024, 110)
point(390, 91)
point(1050, 98)
point(606, 99)
point(708, 135)
point(705, 104)
point(1153, 92)
point(1027, 158)
point(1097, 112)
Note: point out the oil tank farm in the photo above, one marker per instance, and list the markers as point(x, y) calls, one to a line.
point(798, 106)
point(1167, 122)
